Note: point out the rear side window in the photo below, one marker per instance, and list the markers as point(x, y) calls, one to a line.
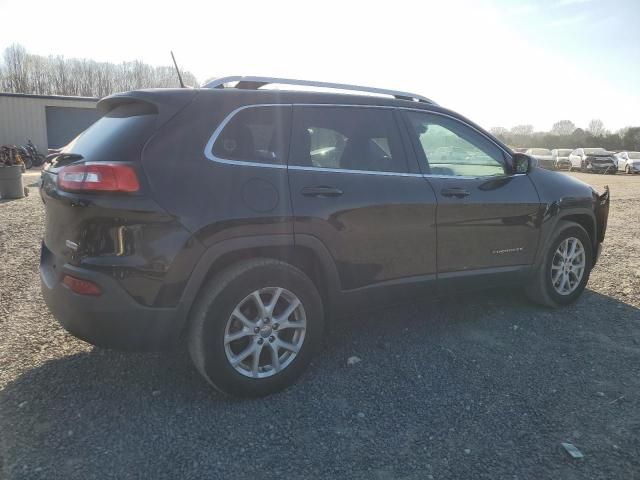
point(118, 136)
point(256, 134)
point(349, 138)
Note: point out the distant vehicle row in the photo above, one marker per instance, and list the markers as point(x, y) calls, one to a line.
point(592, 160)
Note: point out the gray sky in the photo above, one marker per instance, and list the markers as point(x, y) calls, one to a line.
point(499, 62)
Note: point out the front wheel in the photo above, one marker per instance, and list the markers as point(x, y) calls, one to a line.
point(256, 327)
point(564, 271)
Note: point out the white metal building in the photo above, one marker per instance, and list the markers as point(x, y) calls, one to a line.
point(49, 121)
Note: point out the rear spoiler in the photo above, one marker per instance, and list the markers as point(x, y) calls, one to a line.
point(164, 102)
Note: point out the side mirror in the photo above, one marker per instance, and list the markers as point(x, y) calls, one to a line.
point(523, 164)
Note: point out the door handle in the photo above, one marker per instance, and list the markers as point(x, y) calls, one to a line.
point(455, 192)
point(321, 191)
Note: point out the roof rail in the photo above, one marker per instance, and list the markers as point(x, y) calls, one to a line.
point(253, 83)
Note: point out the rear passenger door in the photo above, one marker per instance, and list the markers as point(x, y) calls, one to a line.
point(354, 187)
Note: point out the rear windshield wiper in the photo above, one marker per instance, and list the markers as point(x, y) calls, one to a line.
point(61, 159)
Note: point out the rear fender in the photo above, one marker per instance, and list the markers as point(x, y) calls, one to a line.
point(202, 270)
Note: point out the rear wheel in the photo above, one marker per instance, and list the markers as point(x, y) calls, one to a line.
point(564, 271)
point(256, 327)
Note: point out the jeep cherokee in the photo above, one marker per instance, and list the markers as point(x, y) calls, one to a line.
point(239, 217)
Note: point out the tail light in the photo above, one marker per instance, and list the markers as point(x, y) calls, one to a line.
point(98, 177)
point(81, 287)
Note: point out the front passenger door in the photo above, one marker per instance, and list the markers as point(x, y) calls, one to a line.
point(486, 217)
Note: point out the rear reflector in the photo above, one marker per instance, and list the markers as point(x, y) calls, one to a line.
point(81, 287)
point(98, 176)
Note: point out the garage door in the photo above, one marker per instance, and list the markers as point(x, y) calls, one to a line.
point(65, 123)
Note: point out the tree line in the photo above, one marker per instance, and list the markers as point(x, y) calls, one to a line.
point(565, 134)
point(24, 72)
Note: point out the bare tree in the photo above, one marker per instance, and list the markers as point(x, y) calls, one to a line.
point(499, 131)
point(22, 72)
point(563, 127)
point(596, 127)
point(15, 57)
point(522, 130)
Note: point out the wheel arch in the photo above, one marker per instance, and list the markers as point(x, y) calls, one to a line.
point(307, 254)
point(586, 221)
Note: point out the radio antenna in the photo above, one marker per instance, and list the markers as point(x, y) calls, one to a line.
point(178, 71)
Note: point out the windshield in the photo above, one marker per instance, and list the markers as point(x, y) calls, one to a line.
point(634, 155)
point(595, 150)
point(540, 151)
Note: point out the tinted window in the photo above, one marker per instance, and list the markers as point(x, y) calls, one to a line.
point(452, 148)
point(348, 138)
point(117, 136)
point(256, 134)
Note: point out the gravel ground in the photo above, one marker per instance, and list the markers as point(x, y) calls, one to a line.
point(486, 388)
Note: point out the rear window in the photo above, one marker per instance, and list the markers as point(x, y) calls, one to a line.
point(118, 136)
point(564, 152)
point(256, 134)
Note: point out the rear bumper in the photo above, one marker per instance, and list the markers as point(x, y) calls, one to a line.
point(112, 319)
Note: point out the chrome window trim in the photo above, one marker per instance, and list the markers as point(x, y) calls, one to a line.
point(208, 149)
point(361, 172)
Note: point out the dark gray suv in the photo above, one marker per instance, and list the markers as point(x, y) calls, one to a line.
point(241, 217)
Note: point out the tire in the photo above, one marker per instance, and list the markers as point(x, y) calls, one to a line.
point(212, 319)
point(541, 289)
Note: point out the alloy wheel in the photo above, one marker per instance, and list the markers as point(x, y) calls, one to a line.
point(265, 332)
point(568, 266)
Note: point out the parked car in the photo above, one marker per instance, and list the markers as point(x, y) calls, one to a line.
point(544, 157)
point(240, 218)
point(561, 158)
point(628, 162)
point(593, 160)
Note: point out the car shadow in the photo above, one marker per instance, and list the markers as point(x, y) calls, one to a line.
point(105, 414)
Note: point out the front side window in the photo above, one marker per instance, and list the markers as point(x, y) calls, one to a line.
point(347, 138)
point(452, 148)
point(256, 134)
